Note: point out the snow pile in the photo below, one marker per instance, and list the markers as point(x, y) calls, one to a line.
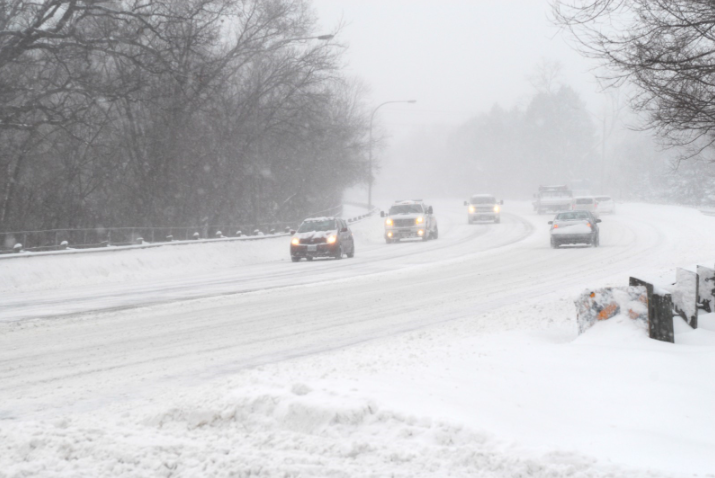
point(459, 400)
point(59, 271)
point(605, 303)
point(296, 432)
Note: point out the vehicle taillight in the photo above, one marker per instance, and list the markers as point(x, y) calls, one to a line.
point(588, 224)
point(556, 226)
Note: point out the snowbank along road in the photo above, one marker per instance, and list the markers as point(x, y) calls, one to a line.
point(183, 346)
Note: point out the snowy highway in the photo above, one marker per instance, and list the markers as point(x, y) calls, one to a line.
point(373, 256)
point(458, 241)
point(93, 343)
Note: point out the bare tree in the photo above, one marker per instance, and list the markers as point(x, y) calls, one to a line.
point(666, 48)
point(127, 112)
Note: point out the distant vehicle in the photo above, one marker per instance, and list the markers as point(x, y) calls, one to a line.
point(552, 199)
point(322, 237)
point(605, 204)
point(410, 219)
point(575, 227)
point(483, 207)
point(585, 203)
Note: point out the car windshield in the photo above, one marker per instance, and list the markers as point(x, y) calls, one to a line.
point(483, 200)
point(573, 216)
point(603, 198)
point(322, 225)
point(584, 201)
point(406, 209)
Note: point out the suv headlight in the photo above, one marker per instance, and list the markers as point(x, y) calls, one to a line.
point(295, 241)
point(388, 222)
point(471, 209)
point(496, 208)
point(332, 239)
point(419, 220)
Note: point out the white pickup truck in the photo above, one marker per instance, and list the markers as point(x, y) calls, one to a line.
point(483, 207)
point(553, 199)
point(410, 219)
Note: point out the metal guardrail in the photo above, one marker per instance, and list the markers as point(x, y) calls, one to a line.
point(120, 238)
point(58, 239)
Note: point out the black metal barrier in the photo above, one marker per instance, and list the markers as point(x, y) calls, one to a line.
point(660, 312)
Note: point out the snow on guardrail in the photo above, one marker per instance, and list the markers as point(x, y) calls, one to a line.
point(148, 245)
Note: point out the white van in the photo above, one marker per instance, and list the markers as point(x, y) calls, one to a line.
point(605, 204)
point(585, 203)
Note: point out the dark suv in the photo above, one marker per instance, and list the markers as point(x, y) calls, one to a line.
point(322, 237)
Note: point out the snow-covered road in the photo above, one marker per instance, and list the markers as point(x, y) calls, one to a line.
point(257, 273)
point(75, 341)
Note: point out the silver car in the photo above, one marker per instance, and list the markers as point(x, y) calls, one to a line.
point(575, 227)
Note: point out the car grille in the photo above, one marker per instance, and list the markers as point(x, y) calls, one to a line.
point(313, 240)
point(484, 209)
point(403, 222)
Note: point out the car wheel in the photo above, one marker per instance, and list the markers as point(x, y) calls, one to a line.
point(389, 241)
point(351, 254)
point(339, 253)
point(308, 258)
point(436, 233)
point(596, 241)
point(497, 220)
point(554, 244)
point(294, 258)
point(426, 237)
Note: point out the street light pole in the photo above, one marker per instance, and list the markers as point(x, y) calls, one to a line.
point(369, 172)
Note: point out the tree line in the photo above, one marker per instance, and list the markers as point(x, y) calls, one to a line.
point(170, 113)
point(507, 152)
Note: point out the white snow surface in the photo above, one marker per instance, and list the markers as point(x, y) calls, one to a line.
point(456, 357)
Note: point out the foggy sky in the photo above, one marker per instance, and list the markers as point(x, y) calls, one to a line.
point(455, 57)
